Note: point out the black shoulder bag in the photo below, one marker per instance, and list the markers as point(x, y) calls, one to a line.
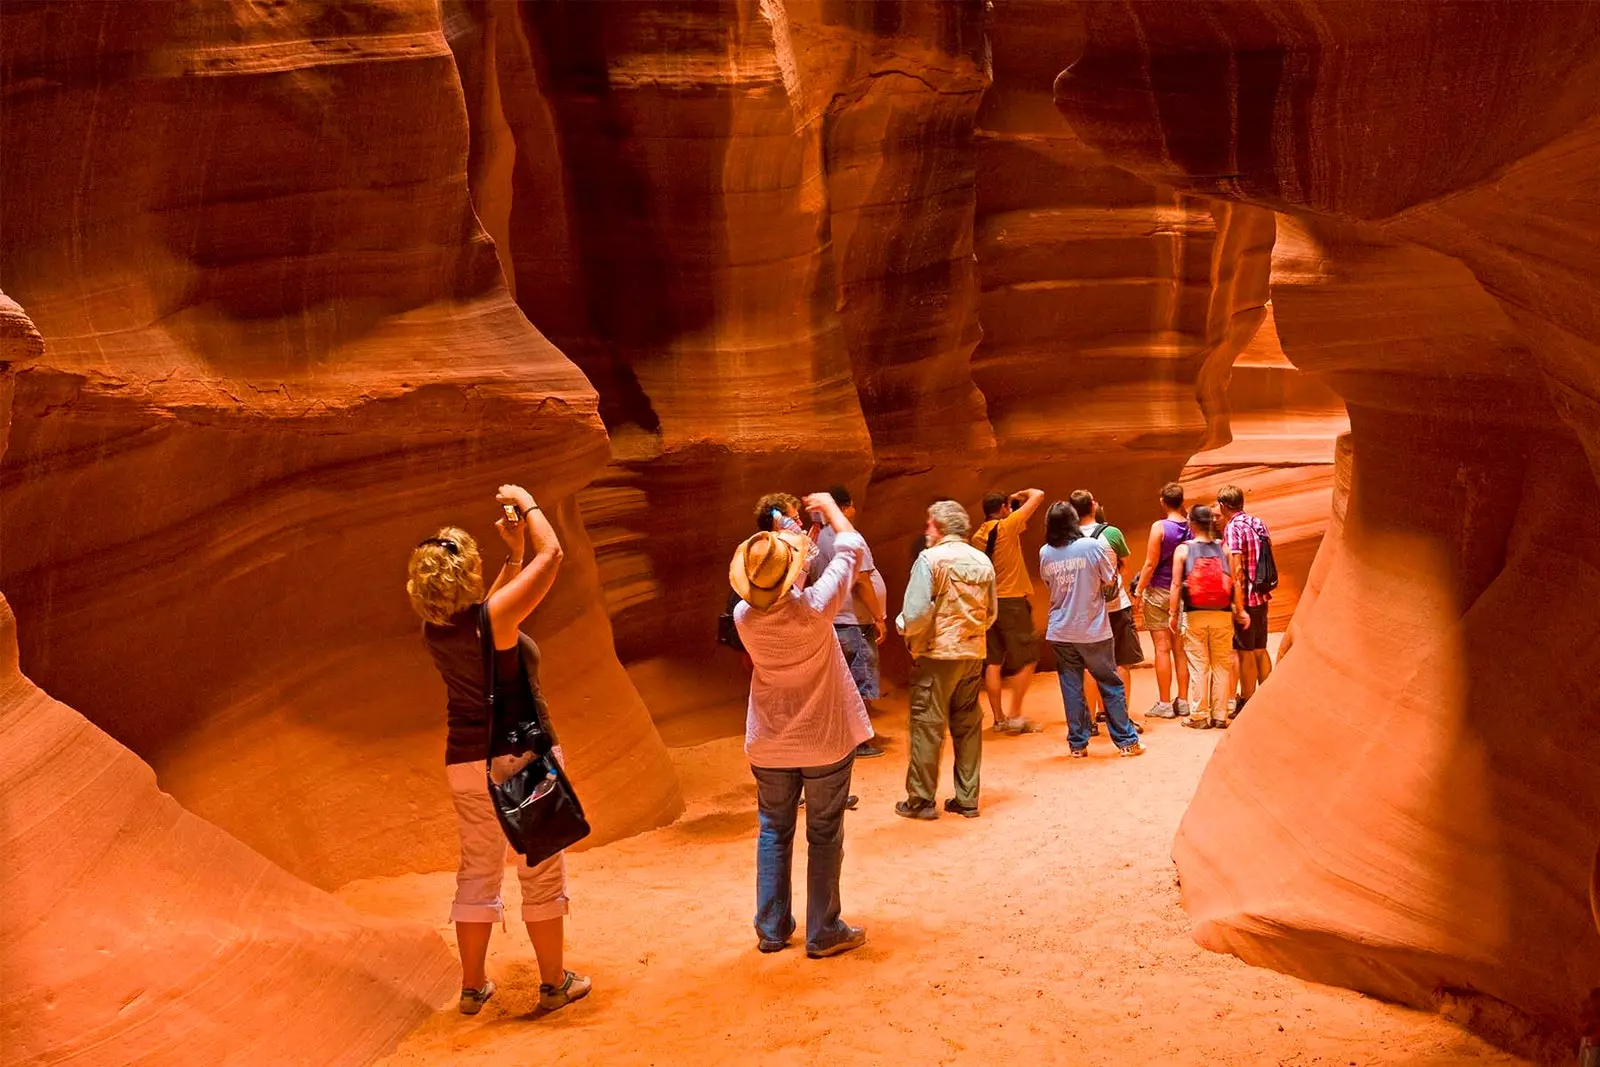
point(532, 797)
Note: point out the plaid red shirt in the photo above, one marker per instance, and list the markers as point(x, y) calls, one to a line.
point(1243, 537)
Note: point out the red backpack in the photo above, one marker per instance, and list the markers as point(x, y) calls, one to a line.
point(1207, 585)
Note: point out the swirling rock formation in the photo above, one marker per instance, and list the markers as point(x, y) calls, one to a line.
point(1411, 807)
point(1282, 424)
point(137, 933)
point(677, 189)
point(279, 350)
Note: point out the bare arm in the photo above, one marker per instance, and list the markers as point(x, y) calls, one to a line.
point(516, 549)
point(1240, 615)
point(869, 597)
point(514, 600)
point(1152, 556)
point(1175, 603)
point(1034, 497)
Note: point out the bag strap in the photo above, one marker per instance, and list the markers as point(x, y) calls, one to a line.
point(994, 534)
point(486, 642)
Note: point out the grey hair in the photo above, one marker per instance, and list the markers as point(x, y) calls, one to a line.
point(951, 518)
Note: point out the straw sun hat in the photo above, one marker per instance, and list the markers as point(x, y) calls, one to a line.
point(765, 567)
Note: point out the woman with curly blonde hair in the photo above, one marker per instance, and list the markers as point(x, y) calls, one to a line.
point(445, 584)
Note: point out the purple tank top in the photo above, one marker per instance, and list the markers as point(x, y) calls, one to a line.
point(1173, 534)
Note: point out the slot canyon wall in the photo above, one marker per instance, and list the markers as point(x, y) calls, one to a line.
point(309, 279)
point(846, 190)
point(1411, 807)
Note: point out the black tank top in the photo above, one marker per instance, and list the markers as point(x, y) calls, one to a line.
point(459, 656)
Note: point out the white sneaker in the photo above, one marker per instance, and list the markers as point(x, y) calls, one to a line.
point(1183, 707)
point(473, 1000)
point(1163, 709)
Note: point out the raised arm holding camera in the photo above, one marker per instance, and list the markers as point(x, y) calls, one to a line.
point(445, 584)
point(803, 722)
point(1012, 651)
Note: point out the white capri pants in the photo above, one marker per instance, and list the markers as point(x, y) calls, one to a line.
point(483, 858)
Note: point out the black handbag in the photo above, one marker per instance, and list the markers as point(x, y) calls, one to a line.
point(538, 810)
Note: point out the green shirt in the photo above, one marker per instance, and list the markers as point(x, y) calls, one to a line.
point(1116, 596)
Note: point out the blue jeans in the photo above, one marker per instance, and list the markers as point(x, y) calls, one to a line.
point(777, 801)
point(1100, 660)
point(860, 647)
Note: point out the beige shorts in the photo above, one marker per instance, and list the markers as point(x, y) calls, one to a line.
point(1156, 614)
point(483, 859)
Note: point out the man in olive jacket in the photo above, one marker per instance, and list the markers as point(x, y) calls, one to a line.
point(950, 604)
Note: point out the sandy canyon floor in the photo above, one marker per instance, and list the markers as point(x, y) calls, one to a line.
point(1047, 931)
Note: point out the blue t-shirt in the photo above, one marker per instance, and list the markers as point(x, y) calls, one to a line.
point(1076, 576)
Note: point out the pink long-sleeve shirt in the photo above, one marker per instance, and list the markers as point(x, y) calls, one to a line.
point(804, 709)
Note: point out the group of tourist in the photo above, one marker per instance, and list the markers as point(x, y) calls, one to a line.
point(800, 593)
point(809, 612)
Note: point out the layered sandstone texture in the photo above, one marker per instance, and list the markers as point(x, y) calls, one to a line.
point(1283, 427)
point(278, 349)
point(137, 933)
point(768, 234)
point(1411, 806)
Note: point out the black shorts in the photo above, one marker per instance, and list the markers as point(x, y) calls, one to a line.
point(1013, 644)
point(1127, 649)
point(1252, 638)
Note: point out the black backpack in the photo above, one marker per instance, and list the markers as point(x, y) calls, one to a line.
point(1266, 579)
point(727, 632)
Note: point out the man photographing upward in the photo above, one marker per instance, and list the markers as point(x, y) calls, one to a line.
point(1013, 645)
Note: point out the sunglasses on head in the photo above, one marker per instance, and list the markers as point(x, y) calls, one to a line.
point(443, 542)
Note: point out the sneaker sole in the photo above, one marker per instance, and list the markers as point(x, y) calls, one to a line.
point(835, 950)
point(925, 814)
point(543, 1006)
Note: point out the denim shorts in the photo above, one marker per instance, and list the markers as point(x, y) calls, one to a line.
point(860, 647)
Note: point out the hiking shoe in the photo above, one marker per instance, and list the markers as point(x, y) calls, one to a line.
point(1080, 753)
point(956, 809)
point(914, 809)
point(473, 1000)
point(1135, 749)
point(572, 987)
point(1094, 729)
point(867, 750)
point(1196, 722)
point(1234, 714)
point(1024, 726)
point(1219, 724)
point(1099, 716)
point(854, 937)
point(1162, 709)
point(763, 945)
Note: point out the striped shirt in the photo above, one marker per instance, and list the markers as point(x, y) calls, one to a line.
point(1244, 535)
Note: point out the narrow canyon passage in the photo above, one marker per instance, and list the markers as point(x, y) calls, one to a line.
point(1048, 931)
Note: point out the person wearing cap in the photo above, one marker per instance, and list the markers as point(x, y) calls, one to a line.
point(802, 724)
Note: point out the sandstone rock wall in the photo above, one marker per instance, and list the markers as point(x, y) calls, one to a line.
point(137, 933)
point(279, 350)
point(846, 189)
point(1411, 806)
point(183, 943)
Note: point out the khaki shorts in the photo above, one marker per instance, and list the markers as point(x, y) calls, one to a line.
point(484, 850)
point(1156, 614)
